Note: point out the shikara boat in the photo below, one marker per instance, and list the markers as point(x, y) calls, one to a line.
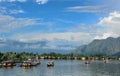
point(87, 62)
point(50, 64)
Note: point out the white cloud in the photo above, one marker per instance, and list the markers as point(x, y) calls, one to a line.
point(21, 0)
point(69, 36)
point(8, 23)
point(12, 0)
point(37, 1)
point(7, 10)
point(83, 28)
point(59, 48)
point(105, 7)
point(89, 9)
point(107, 27)
point(111, 25)
point(106, 35)
point(15, 11)
point(112, 21)
point(41, 1)
point(84, 34)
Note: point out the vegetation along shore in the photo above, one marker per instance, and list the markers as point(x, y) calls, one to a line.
point(20, 57)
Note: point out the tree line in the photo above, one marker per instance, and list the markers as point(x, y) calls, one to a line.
point(19, 57)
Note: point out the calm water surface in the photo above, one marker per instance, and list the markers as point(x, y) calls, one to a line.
point(66, 68)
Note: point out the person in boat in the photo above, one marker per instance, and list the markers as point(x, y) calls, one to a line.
point(87, 62)
point(104, 61)
point(50, 63)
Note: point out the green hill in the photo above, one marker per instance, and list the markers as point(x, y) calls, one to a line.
point(109, 46)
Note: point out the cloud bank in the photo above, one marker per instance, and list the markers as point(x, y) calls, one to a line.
point(9, 23)
point(111, 24)
point(83, 34)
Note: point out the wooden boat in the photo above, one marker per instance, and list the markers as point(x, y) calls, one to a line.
point(50, 64)
point(26, 64)
point(9, 63)
point(104, 61)
point(35, 62)
point(87, 62)
point(29, 63)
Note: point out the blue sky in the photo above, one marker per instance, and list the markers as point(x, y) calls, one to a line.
point(73, 22)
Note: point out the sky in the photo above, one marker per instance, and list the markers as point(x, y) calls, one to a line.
point(61, 22)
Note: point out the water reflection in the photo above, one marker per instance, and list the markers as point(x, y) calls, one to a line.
point(66, 68)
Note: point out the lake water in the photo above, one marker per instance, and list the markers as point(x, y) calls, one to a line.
point(66, 68)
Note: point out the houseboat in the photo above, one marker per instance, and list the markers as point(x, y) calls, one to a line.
point(29, 63)
point(8, 63)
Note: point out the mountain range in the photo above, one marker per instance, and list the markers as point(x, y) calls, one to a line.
point(109, 46)
point(43, 46)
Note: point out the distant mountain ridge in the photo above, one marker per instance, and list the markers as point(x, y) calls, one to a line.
point(109, 46)
point(7, 45)
point(43, 46)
